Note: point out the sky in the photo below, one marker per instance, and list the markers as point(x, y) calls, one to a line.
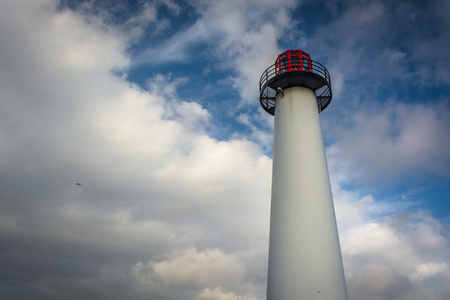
point(153, 108)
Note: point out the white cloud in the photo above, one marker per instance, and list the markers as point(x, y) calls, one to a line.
point(147, 17)
point(192, 268)
point(178, 47)
point(219, 294)
point(390, 252)
point(164, 86)
point(151, 180)
point(258, 134)
point(239, 40)
point(248, 47)
point(429, 269)
point(392, 259)
point(370, 237)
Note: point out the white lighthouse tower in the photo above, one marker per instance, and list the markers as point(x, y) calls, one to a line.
point(305, 261)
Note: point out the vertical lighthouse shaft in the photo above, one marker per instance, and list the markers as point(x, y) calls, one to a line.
point(305, 260)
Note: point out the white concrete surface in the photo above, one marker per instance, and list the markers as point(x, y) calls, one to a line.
point(305, 259)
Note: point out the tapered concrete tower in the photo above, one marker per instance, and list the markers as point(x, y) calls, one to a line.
point(305, 260)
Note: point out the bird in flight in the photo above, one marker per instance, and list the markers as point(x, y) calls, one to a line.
point(77, 183)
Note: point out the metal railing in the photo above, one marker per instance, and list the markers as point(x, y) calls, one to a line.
point(294, 69)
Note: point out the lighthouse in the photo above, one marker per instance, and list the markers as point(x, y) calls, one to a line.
point(305, 261)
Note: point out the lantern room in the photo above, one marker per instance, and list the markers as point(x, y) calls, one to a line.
point(294, 68)
point(293, 60)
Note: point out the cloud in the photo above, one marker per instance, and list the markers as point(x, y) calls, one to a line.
point(219, 294)
point(379, 280)
point(175, 49)
point(401, 255)
point(248, 43)
point(394, 139)
point(430, 269)
point(189, 271)
point(407, 45)
point(236, 37)
point(151, 180)
point(191, 268)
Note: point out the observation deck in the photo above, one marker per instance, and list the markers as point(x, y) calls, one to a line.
point(294, 68)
